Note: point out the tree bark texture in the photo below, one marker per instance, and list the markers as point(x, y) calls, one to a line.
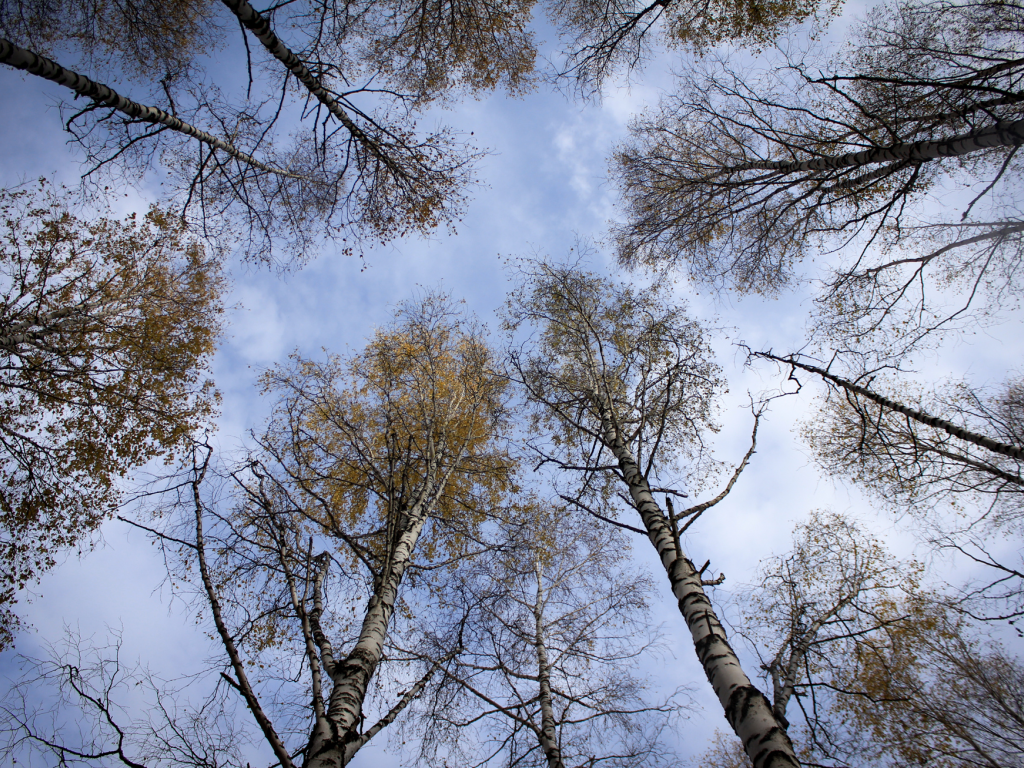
point(336, 738)
point(1012, 451)
point(746, 707)
point(1001, 134)
point(260, 27)
point(548, 734)
point(103, 95)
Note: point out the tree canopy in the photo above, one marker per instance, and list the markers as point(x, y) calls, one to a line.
point(356, 78)
point(107, 328)
point(740, 176)
point(429, 539)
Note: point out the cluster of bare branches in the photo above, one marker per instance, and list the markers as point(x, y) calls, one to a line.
point(602, 38)
point(742, 176)
point(353, 80)
point(547, 671)
point(375, 558)
point(881, 670)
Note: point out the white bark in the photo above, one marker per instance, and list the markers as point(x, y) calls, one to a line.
point(335, 739)
point(548, 734)
point(746, 708)
point(326, 649)
point(260, 27)
point(999, 135)
point(786, 673)
point(1012, 451)
point(40, 66)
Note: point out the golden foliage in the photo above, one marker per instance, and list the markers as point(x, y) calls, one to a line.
point(726, 751)
point(442, 46)
point(106, 331)
point(138, 36)
point(419, 414)
point(930, 694)
point(751, 22)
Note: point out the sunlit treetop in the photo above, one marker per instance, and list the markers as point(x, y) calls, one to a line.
point(420, 410)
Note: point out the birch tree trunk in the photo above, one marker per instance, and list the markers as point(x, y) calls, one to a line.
point(998, 135)
point(1012, 451)
point(548, 734)
point(335, 739)
point(260, 27)
point(746, 707)
point(103, 95)
point(740, 174)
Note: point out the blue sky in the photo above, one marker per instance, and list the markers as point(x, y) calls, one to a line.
point(543, 184)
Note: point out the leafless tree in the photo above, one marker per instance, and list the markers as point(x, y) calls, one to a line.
point(75, 708)
point(356, 76)
point(741, 176)
point(547, 675)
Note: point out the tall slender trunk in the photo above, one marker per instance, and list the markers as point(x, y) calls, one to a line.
point(746, 707)
point(260, 27)
point(1013, 451)
point(103, 95)
point(998, 135)
point(786, 673)
point(548, 734)
point(241, 682)
point(335, 738)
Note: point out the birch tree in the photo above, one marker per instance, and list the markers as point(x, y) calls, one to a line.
point(812, 608)
point(555, 627)
point(356, 169)
point(915, 686)
point(372, 480)
point(386, 465)
point(73, 707)
point(874, 669)
point(739, 177)
point(967, 495)
point(601, 38)
point(107, 328)
point(934, 693)
point(623, 388)
point(138, 38)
